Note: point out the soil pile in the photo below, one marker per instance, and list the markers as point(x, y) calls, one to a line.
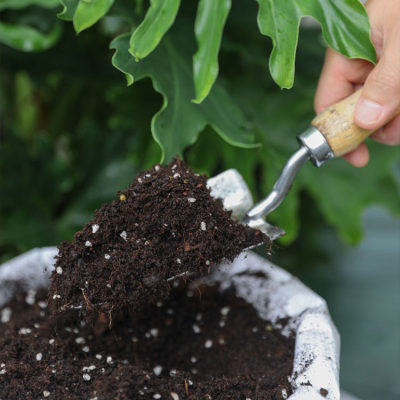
point(200, 344)
point(163, 224)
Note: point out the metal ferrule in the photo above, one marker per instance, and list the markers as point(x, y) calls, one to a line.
point(319, 148)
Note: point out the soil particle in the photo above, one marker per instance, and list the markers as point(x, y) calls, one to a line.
point(126, 363)
point(163, 224)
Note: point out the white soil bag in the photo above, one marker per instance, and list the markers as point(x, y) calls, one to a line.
point(273, 292)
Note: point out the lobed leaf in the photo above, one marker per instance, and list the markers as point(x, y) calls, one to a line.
point(344, 23)
point(179, 122)
point(26, 38)
point(158, 19)
point(88, 12)
point(68, 11)
point(210, 20)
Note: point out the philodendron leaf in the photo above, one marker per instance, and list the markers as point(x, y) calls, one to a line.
point(159, 18)
point(344, 25)
point(16, 4)
point(68, 11)
point(179, 122)
point(88, 12)
point(26, 38)
point(209, 25)
point(343, 192)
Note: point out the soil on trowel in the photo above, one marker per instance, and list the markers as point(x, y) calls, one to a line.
point(199, 344)
point(162, 225)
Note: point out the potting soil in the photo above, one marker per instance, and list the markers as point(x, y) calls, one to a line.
point(199, 344)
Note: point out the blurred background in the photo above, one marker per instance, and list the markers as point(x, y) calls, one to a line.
point(72, 133)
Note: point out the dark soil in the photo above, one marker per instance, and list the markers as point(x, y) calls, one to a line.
point(163, 224)
point(197, 345)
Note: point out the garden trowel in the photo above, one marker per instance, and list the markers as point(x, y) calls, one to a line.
point(332, 133)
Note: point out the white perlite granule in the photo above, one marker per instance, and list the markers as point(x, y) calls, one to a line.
point(95, 228)
point(123, 235)
point(157, 396)
point(42, 304)
point(46, 393)
point(191, 199)
point(174, 396)
point(86, 377)
point(176, 175)
point(6, 315)
point(208, 344)
point(80, 340)
point(196, 328)
point(107, 256)
point(88, 244)
point(59, 270)
point(203, 226)
point(39, 356)
point(85, 349)
point(30, 297)
point(178, 261)
point(99, 356)
point(24, 331)
point(2, 371)
point(51, 341)
point(225, 310)
point(109, 360)
point(157, 370)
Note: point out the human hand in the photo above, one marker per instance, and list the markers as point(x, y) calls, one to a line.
point(380, 96)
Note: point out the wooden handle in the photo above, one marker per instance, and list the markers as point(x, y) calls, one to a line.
point(336, 123)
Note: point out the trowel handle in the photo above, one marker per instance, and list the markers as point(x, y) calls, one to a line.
point(337, 125)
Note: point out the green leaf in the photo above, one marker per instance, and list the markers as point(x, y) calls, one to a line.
point(343, 192)
point(26, 38)
point(159, 18)
point(68, 11)
point(179, 122)
point(88, 12)
point(17, 4)
point(344, 23)
point(209, 25)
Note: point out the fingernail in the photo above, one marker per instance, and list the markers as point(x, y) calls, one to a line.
point(368, 112)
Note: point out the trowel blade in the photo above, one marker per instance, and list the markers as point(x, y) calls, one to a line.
point(230, 187)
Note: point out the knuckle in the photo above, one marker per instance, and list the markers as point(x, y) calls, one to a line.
point(386, 82)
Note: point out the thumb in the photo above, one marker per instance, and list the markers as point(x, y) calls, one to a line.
point(380, 97)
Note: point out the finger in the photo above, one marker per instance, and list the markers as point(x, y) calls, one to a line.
point(358, 157)
point(338, 79)
point(389, 134)
point(380, 96)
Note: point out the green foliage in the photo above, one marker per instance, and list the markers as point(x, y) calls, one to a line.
point(72, 133)
point(18, 4)
point(210, 21)
point(158, 19)
point(27, 31)
point(179, 122)
point(344, 26)
point(88, 12)
point(25, 38)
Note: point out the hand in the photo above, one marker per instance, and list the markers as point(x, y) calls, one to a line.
point(380, 96)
